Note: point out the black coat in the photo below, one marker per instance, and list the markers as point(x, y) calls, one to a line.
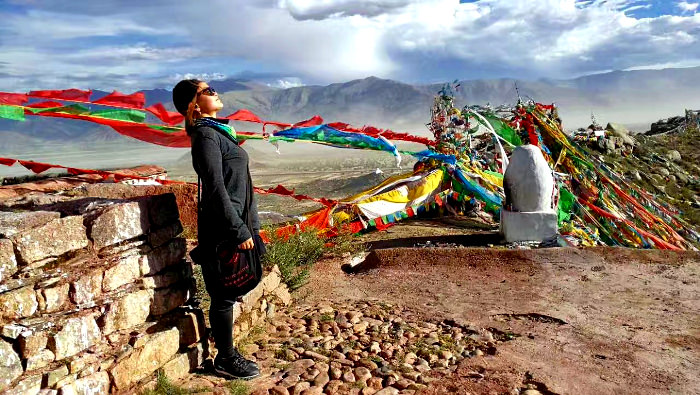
point(222, 166)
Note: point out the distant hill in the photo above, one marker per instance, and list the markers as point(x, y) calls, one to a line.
point(628, 97)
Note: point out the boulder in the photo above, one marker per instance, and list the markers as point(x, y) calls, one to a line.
point(621, 132)
point(674, 156)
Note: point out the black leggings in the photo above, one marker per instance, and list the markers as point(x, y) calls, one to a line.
point(221, 319)
point(220, 314)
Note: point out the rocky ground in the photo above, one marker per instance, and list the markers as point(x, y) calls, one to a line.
point(485, 321)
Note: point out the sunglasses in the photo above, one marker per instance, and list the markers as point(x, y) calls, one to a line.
point(208, 91)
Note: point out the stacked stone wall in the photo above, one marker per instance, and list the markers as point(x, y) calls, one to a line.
point(96, 294)
point(93, 296)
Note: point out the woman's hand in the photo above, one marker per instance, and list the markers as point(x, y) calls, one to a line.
point(247, 245)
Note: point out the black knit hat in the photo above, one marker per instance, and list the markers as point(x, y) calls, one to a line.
point(183, 93)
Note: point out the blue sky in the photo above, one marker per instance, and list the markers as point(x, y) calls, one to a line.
point(131, 45)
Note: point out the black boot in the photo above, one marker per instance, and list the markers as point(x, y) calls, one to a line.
point(236, 367)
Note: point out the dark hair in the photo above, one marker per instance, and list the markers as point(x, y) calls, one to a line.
point(184, 98)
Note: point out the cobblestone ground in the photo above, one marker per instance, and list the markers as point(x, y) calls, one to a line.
point(366, 347)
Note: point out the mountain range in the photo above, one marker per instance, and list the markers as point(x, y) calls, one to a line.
point(634, 98)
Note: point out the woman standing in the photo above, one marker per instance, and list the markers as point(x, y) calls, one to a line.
point(227, 214)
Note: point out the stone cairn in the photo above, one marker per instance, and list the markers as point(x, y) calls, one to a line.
point(95, 297)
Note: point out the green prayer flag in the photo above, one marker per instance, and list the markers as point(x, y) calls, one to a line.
point(121, 115)
point(566, 205)
point(14, 113)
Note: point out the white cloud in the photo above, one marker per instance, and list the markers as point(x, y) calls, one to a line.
point(285, 83)
point(322, 9)
point(324, 41)
point(688, 7)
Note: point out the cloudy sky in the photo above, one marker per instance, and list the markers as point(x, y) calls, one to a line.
point(136, 44)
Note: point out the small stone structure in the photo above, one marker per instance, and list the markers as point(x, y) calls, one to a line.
point(96, 296)
point(528, 213)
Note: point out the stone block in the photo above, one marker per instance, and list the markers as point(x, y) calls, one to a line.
point(78, 363)
point(167, 299)
point(250, 299)
point(191, 327)
point(27, 386)
point(117, 223)
point(162, 210)
point(166, 278)
point(8, 262)
point(196, 356)
point(39, 360)
point(96, 383)
point(528, 226)
point(66, 382)
point(282, 293)
point(10, 365)
point(77, 334)
point(163, 235)
point(87, 287)
point(142, 362)
point(56, 375)
point(12, 223)
point(177, 367)
point(271, 282)
point(53, 299)
point(126, 271)
point(12, 331)
point(159, 258)
point(127, 312)
point(20, 303)
point(52, 239)
point(31, 342)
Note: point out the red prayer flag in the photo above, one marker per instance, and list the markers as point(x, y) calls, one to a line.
point(244, 115)
point(66, 94)
point(7, 161)
point(45, 104)
point(13, 99)
point(169, 117)
point(36, 167)
point(313, 121)
point(135, 100)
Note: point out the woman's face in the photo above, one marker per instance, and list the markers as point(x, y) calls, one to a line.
point(208, 100)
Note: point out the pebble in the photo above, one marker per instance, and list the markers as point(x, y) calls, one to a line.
point(321, 379)
point(313, 390)
point(349, 377)
point(335, 373)
point(387, 391)
point(300, 387)
point(362, 374)
point(278, 390)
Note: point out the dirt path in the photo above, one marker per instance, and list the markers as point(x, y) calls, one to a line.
point(603, 321)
